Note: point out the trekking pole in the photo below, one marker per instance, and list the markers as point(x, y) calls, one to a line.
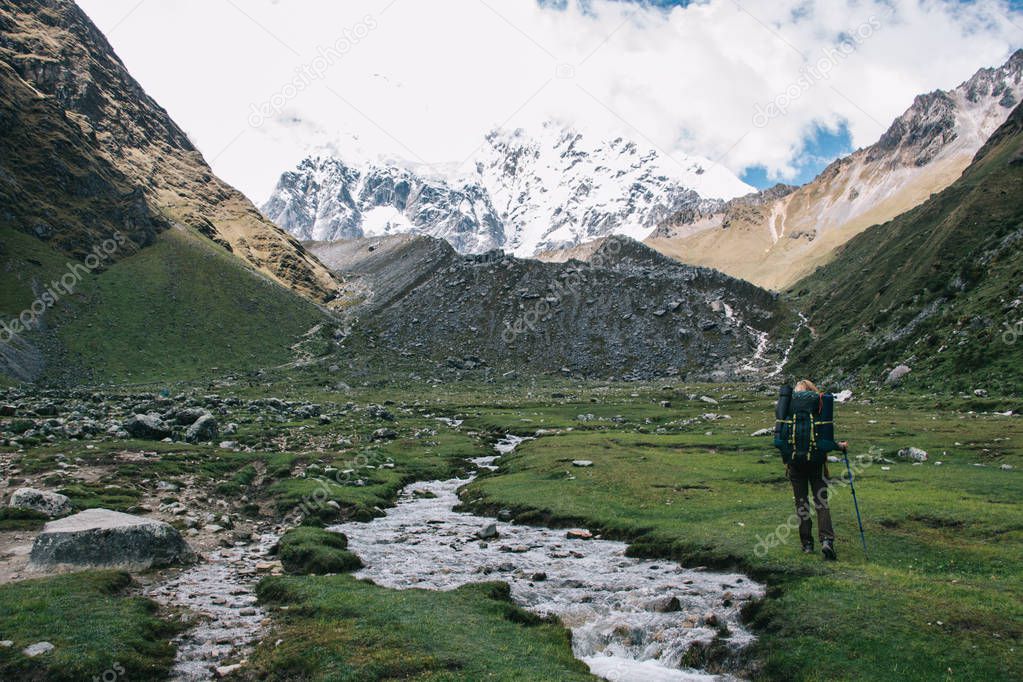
point(863, 539)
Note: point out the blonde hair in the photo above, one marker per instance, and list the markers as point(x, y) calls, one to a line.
point(806, 385)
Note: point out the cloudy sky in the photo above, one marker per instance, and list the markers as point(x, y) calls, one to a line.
point(770, 89)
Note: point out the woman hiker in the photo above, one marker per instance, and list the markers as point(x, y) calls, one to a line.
point(804, 434)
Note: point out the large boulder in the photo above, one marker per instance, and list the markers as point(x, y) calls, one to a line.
point(147, 427)
point(187, 416)
point(45, 502)
point(101, 538)
point(203, 430)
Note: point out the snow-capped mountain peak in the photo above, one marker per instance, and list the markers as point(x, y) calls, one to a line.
point(557, 187)
point(524, 191)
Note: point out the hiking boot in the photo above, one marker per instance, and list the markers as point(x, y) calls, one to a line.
point(807, 548)
point(828, 550)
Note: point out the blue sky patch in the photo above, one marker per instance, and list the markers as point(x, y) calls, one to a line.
point(820, 148)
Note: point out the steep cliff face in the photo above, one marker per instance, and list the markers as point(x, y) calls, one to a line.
point(53, 48)
point(57, 185)
point(786, 237)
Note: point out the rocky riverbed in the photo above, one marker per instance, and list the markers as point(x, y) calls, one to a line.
point(630, 619)
point(220, 595)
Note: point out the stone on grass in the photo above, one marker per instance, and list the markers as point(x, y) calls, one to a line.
point(43, 501)
point(762, 432)
point(147, 427)
point(843, 396)
point(708, 399)
point(203, 430)
point(380, 412)
point(37, 649)
point(915, 454)
point(980, 392)
point(384, 434)
point(582, 463)
point(896, 376)
point(101, 538)
point(189, 415)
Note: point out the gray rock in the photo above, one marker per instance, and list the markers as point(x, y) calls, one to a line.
point(43, 501)
point(189, 415)
point(487, 532)
point(147, 427)
point(668, 604)
point(980, 392)
point(582, 463)
point(843, 396)
point(384, 434)
point(380, 412)
point(37, 649)
point(203, 430)
point(101, 538)
point(708, 399)
point(896, 376)
point(915, 454)
point(762, 432)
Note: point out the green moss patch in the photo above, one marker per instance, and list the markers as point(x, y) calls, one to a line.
point(306, 550)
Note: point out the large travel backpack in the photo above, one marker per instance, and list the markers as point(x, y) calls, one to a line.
point(804, 428)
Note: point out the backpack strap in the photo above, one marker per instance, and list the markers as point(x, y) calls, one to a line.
point(813, 435)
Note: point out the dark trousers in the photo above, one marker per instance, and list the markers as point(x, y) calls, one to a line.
point(806, 477)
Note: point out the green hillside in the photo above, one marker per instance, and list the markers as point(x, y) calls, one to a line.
point(937, 288)
point(176, 310)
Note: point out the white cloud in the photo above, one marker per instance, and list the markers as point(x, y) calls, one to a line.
point(425, 80)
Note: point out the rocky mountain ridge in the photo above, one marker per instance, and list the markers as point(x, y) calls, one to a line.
point(526, 192)
point(783, 233)
point(937, 291)
point(54, 49)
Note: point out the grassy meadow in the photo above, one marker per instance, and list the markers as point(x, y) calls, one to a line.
point(674, 475)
